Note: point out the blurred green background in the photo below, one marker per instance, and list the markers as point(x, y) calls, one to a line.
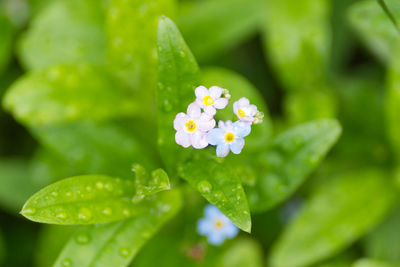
point(308, 59)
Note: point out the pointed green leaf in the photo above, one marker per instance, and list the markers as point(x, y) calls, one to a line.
point(147, 185)
point(65, 32)
point(215, 26)
point(85, 199)
point(373, 263)
point(299, 54)
point(337, 214)
point(116, 244)
point(375, 28)
point(178, 76)
point(238, 86)
point(293, 155)
point(220, 184)
point(129, 21)
point(68, 93)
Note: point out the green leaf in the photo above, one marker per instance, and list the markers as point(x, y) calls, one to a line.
point(299, 54)
point(65, 32)
point(372, 263)
point(92, 147)
point(388, 6)
point(178, 76)
point(68, 93)
point(335, 216)
point(87, 199)
point(116, 244)
point(238, 87)
point(215, 26)
point(291, 158)
point(393, 105)
point(375, 28)
point(219, 183)
point(6, 38)
point(2, 249)
point(128, 22)
point(244, 252)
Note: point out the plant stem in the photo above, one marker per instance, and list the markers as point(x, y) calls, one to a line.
point(389, 14)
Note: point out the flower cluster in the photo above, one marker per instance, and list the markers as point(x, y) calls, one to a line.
point(196, 127)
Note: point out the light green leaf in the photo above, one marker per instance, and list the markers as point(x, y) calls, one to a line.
point(86, 200)
point(393, 105)
point(299, 54)
point(6, 37)
point(116, 244)
point(132, 37)
point(243, 252)
point(336, 215)
point(178, 76)
point(215, 26)
point(375, 28)
point(239, 87)
point(373, 263)
point(65, 32)
point(291, 158)
point(68, 93)
point(220, 184)
point(91, 147)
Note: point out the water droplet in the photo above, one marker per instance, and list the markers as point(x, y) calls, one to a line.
point(160, 141)
point(88, 188)
point(204, 187)
point(167, 106)
point(30, 211)
point(182, 54)
point(54, 194)
point(99, 185)
point(160, 85)
point(66, 263)
point(68, 194)
point(82, 239)
point(84, 214)
point(61, 215)
point(107, 211)
point(124, 252)
point(312, 160)
point(109, 187)
point(126, 212)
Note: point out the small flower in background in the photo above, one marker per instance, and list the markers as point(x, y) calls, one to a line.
point(192, 127)
point(245, 111)
point(229, 136)
point(216, 226)
point(211, 99)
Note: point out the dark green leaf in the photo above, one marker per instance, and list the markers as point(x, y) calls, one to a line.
point(178, 76)
point(336, 215)
point(116, 244)
point(293, 155)
point(6, 37)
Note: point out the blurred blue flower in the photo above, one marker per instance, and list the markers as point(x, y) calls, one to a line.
point(229, 136)
point(216, 226)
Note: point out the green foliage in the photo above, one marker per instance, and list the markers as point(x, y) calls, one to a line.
point(117, 243)
point(372, 263)
point(335, 216)
point(293, 155)
point(6, 37)
point(2, 249)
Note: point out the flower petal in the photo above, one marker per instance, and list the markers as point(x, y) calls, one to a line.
point(236, 107)
point(211, 212)
point(180, 120)
point(220, 103)
point(194, 110)
point(201, 92)
point(206, 122)
point(237, 145)
point(241, 129)
point(182, 139)
point(243, 102)
point(204, 226)
point(230, 230)
point(209, 110)
point(253, 110)
point(222, 150)
point(199, 140)
point(215, 238)
point(215, 92)
point(215, 136)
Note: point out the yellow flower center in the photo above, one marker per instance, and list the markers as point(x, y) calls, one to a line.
point(208, 100)
point(218, 224)
point(241, 113)
point(191, 126)
point(229, 137)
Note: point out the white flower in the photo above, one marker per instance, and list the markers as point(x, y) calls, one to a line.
point(192, 127)
point(210, 100)
point(245, 111)
point(229, 136)
point(216, 226)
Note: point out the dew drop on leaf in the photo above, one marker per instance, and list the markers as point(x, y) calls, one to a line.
point(54, 194)
point(84, 214)
point(67, 263)
point(30, 211)
point(107, 211)
point(82, 239)
point(61, 215)
point(124, 252)
point(99, 185)
point(204, 187)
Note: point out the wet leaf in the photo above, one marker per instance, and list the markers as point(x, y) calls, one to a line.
point(68, 93)
point(291, 158)
point(336, 215)
point(178, 76)
point(243, 252)
point(372, 263)
point(116, 244)
point(220, 184)
point(86, 199)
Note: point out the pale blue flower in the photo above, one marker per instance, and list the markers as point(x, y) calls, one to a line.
point(229, 136)
point(216, 226)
